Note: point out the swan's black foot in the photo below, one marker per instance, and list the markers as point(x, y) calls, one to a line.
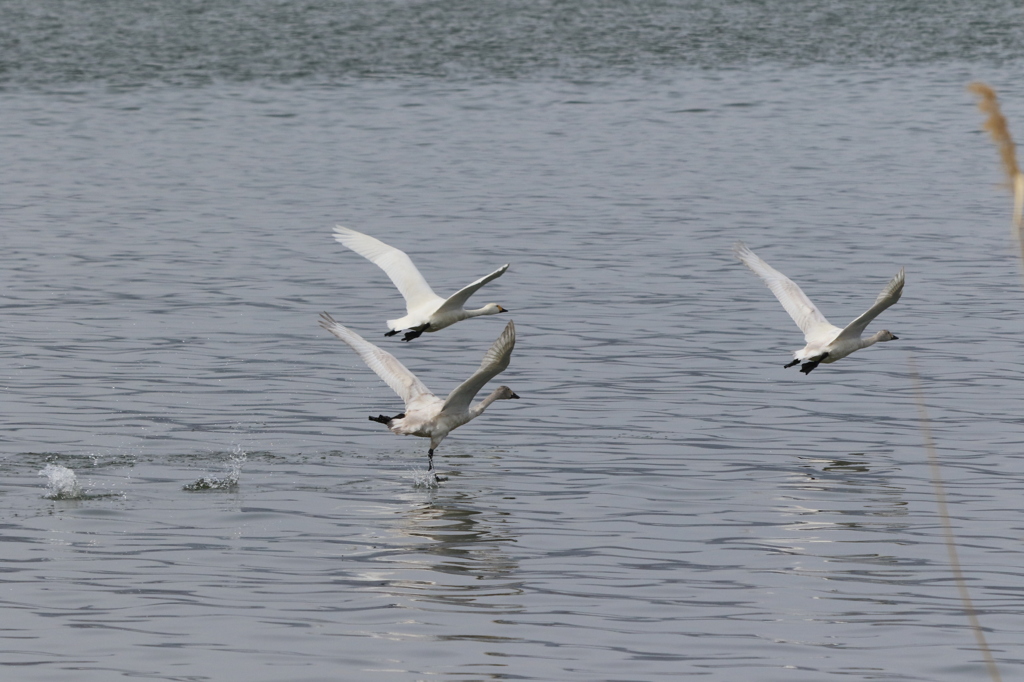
point(808, 367)
point(795, 362)
point(415, 333)
point(381, 419)
point(439, 479)
point(391, 333)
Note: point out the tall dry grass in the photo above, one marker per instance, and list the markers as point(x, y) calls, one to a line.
point(947, 527)
point(995, 124)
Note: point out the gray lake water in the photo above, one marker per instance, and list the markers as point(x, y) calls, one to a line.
point(665, 501)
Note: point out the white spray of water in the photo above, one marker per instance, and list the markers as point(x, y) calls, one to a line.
point(421, 478)
point(235, 465)
point(61, 484)
point(229, 482)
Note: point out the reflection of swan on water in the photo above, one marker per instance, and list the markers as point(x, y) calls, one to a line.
point(462, 539)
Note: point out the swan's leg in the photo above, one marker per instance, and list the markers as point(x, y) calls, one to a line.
point(392, 332)
point(415, 332)
point(795, 362)
point(430, 466)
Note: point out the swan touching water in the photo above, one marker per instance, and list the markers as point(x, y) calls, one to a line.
point(425, 414)
point(425, 310)
point(825, 342)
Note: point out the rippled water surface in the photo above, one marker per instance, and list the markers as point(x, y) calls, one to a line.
point(665, 501)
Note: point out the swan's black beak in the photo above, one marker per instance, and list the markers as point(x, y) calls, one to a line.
point(502, 310)
point(895, 338)
point(514, 396)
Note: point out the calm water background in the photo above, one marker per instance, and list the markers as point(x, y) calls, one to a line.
point(665, 501)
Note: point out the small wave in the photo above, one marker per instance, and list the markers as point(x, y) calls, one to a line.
point(62, 483)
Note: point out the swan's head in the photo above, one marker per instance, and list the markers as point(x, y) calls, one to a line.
point(492, 309)
point(505, 393)
point(886, 335)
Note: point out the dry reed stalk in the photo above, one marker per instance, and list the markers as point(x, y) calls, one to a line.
point(996, 126)
point(947, 527)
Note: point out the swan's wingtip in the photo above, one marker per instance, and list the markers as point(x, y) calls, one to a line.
point(326, 321)
point(330, 324)
point(341, 232)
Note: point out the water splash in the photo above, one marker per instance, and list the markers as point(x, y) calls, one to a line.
point(421, 478)
point(61, 484)
point(228, 482)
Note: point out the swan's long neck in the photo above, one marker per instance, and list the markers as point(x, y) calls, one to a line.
point(478, 409)
point(872, 340)
point(477, 313)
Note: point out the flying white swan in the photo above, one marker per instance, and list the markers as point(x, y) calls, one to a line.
point(425, 310)
point(425, 414)
point(825, 342)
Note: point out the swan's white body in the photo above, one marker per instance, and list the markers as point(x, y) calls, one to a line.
point(426, 415)
point(425, 310)
point(825, 342)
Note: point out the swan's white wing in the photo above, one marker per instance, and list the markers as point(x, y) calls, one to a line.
point(401, 380)
point(793, 299)
point(890, 294)
point(494, 363)
point(457, 301)
point(398, 266)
